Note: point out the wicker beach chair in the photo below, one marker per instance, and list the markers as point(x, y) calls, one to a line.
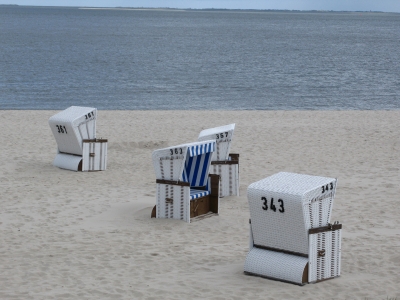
point(291, 237)
point(185, 189)
point(77, 147)
point(223, 163)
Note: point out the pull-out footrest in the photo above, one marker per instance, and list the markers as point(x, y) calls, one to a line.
point(277, 265)
point(68, 161)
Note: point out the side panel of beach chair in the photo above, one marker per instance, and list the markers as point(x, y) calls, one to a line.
point(172, 202)
point(94, 155)
point(229, 171)
point(325, 252)
point(290, 214)
point(172, 191)
point(183, 187)
point(224, 164)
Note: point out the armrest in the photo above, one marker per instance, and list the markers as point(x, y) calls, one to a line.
point(172, 182)
point(234, 156)
point(330, 227)
point(233, 160)
point(94, 141)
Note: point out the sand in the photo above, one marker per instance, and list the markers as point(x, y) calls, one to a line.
point(75, 235)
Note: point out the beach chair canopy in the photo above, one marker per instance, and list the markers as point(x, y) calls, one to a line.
point(284, 206)
point(223, 136)
point(71, 126)
point(187, 162)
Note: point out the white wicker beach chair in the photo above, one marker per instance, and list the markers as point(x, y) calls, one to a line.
point(75, 132)
point(185, 189)
point(223, 163)
point(291, 237)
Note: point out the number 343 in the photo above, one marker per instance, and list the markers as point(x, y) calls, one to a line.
point(272, 205)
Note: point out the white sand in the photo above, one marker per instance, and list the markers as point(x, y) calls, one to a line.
point(75, 235)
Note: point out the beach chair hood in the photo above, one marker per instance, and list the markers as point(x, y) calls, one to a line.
point(301, 202)
point(223, 136)
point(186, 162)
point(71, 126)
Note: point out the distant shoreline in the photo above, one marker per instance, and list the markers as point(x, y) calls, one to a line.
point(202, 9)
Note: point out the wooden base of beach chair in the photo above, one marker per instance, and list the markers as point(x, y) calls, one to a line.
point(199, 206)
point(202, 217)
point(204, 205)
point(154, 211)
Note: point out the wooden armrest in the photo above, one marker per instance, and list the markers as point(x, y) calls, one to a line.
point(95, 141)
point(330, 227)
point(234, 156)
point(172, 182)
point(233, 161)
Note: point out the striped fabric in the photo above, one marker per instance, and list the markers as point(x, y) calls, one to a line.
point(194, 194)
point(201, 149)
point(197, 164)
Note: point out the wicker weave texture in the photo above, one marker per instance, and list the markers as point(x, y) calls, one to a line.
point(280, 209)
point(223, 136)
point(66, 161)
point(222, 151)
point(229, 182)
point(73, 125)
point(318, 208)
point(276, 265)
point(94, 156)
point(173, 202)
point(167, 166)
point(325, 255)
point(251, 241)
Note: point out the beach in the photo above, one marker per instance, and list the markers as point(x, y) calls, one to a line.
point(89, 235)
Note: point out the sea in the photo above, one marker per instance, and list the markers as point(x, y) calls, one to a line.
point(170, 59)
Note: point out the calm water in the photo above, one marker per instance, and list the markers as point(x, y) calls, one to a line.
point(51, 58)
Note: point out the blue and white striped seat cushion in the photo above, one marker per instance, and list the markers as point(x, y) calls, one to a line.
point(194, 194)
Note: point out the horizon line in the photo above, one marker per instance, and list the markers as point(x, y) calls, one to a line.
point(204, 9)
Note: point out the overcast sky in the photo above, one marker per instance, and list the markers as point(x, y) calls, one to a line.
point(338, 5)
